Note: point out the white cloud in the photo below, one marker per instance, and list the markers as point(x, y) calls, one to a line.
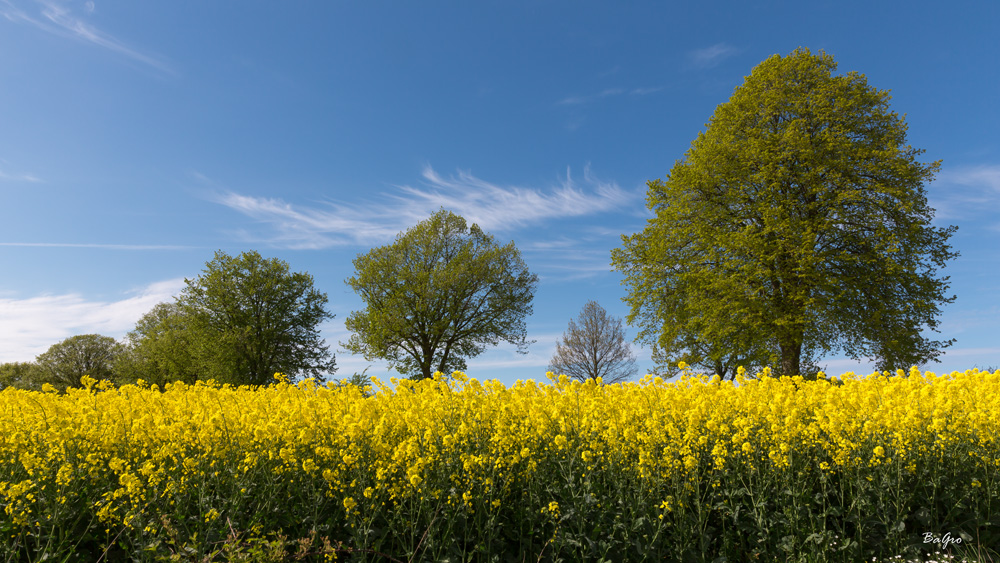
point(711, 56)
point(606, 93)
point(966, 352)
point(8, 177)
point(313, 228)
point(958, 359)
point(29, 326)
point(571, 263)
point(533, 364)
point(506, 357)
point(957, 193)
point(491, 206)
point(89, 245)
point(562, 243)
point(495, 207)
point(984, 178)
point(56, 17)
point(575, 100)
point(18, 177)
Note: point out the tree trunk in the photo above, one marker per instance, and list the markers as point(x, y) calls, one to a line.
point(791, 353)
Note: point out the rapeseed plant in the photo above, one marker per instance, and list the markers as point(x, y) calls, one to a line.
point(693, 469)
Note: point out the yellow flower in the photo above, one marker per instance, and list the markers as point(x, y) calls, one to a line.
point(114, 449)
point(349, 504)
point(552, 509)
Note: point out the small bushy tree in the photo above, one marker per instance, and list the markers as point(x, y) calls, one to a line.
point(21, 375)
point(65, 363)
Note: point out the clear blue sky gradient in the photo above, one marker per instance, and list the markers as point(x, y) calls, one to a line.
point(137, 138)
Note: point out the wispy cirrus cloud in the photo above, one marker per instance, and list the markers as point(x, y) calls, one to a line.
point(951, 360)
point(606, 93)
point(579, 256)
point(965, 191)
point(576, 100)
point(29, 326)
point(4, 177)
point(16, 177)
point(56, 17)
point(310, 228)
point(96, 245)
point(984, 176)
point(535, 363)
point(492, 206)
point(498, 207)
point(709, 57)
point(644, 91)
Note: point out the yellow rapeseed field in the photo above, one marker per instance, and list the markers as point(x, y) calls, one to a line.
point(831, 470)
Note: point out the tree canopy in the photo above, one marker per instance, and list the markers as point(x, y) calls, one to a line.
point(594, 348)
point(796, 224)
point(438, 295)
point(21, 375)
point(66, 362)
point(246, 318)
point(165, 346)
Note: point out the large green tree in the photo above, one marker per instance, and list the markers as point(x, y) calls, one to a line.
point(438, 295)
point(248, 317)
point(65, 363)
point(797, 221)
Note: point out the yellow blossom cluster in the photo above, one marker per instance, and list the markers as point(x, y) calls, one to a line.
point(127, 453)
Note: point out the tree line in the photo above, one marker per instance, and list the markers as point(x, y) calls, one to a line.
point(796, 224)
point(438, 295)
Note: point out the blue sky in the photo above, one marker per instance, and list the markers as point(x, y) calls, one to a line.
point(137, 138)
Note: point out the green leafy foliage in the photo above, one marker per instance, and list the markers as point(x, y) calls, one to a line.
point(362, 381)
point(796, 224)
point(246, 318)
point(64, 363)
point(438, 295)
point(21, 375)
point(165, 346)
